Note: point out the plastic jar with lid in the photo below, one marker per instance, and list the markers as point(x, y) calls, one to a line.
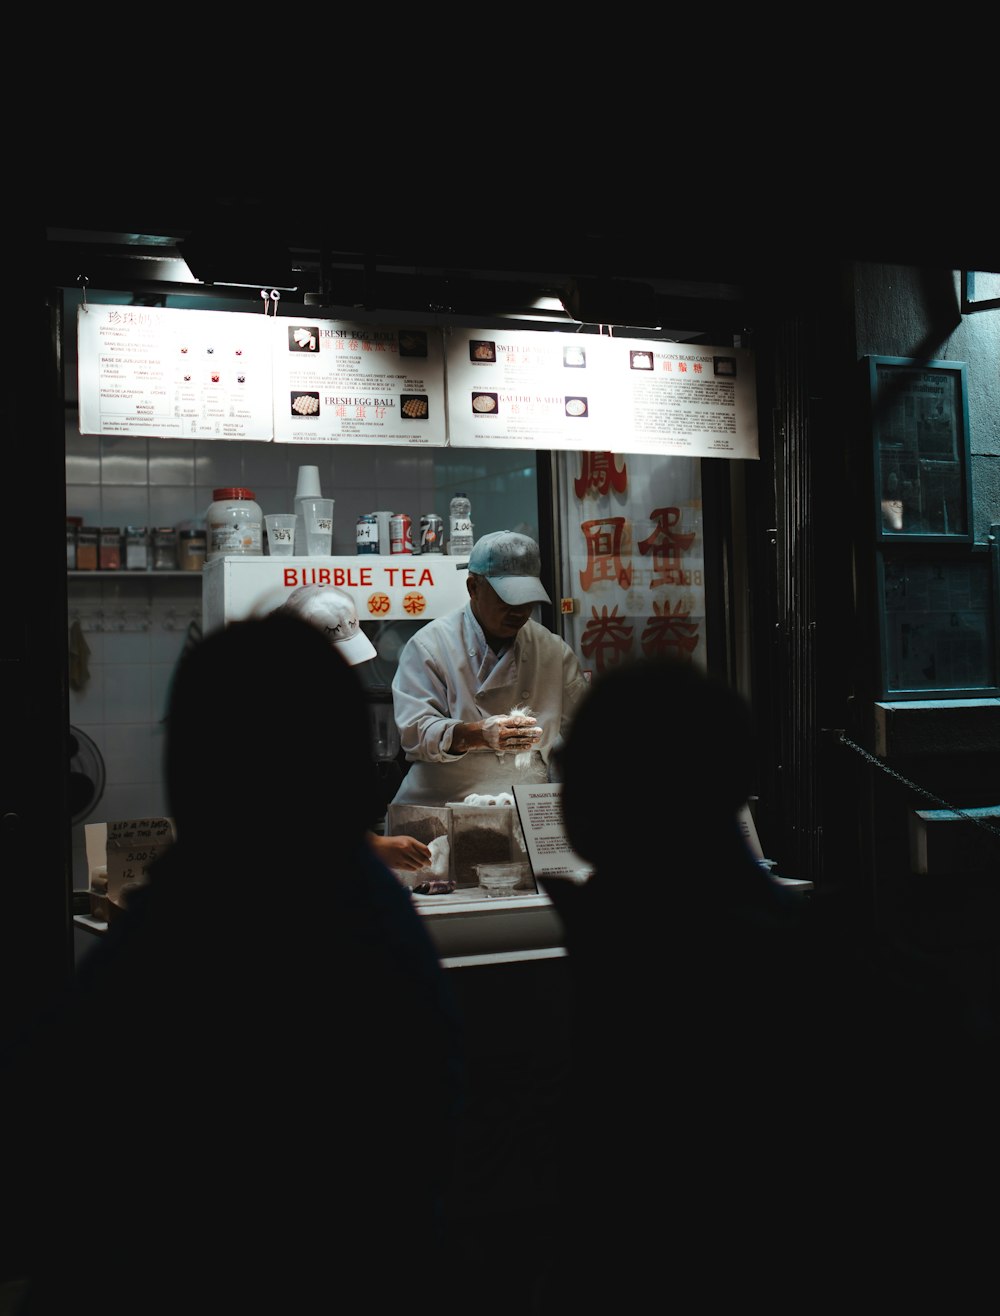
point(234, 524)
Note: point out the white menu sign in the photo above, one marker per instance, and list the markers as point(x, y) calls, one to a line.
point(357, 384)
point(683, 398)
point(149, 370)
point(533, 390)
point(581, 392)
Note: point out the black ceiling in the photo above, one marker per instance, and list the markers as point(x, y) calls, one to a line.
point(464, 250)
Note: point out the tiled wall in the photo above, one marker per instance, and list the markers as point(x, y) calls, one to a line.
point(135, 626)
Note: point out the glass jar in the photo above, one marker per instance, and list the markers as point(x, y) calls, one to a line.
point(165, 548)
point(191, 549)
point(73, 524)
point(136, 548)
point(86, 548)
point(234, 524)
point(109, 548)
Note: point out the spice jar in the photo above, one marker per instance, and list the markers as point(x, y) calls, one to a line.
point(109, 548)
point(86, 548)
point(165, 548)
point(191, 549)
point(234, 524)
point(136, 548)
point(73, 524)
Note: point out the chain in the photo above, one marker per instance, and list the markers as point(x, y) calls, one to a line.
point(936, 799)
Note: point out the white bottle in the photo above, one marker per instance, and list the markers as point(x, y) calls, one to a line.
point(234, 525)
point(460, 538)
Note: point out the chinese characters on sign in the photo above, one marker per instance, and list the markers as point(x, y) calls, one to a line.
point(633, 557)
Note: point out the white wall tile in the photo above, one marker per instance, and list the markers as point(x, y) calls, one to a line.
point(123, 505)
point(84, 500)
point(124, 460)
point(128, 755)
point(171, 461)
point(122, 802)
point(86, 706)
point(129, 694)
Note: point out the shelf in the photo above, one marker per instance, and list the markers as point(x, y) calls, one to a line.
point(124, 574)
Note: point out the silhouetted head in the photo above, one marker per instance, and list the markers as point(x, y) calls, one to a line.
point(659, 757)
point(268, 734)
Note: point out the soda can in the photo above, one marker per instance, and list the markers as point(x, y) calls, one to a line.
point(366, 533)
point(400, 527)
point(431, 533)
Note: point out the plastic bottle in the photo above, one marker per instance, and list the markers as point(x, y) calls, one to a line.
point(234, 525)
point(460, 538)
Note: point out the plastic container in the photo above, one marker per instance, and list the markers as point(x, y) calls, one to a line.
point(234, 524)
point(460, 538)
point(307, 485)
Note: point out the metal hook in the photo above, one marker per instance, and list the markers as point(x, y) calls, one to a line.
point(82, 280)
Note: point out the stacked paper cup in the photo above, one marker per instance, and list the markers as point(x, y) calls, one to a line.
point(306, 487)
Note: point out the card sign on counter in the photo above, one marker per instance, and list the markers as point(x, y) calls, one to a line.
point(174, 373)
point(357, 384)
point(132, 847)
point(539, 808)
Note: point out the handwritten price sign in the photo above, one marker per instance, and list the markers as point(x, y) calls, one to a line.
point(132, 847)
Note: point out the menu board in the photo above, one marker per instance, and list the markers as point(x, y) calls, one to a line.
point(357, 384)
point(174, 373)
point(534, 390)
point(591, 392)
point(233, 375)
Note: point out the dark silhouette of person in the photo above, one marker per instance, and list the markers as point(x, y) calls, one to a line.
point(250, 1101)
point(756, 1090)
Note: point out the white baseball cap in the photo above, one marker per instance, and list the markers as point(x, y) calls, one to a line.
point(332, 610)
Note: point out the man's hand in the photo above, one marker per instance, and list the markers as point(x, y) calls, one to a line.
point(511, 731)
point(405, 853)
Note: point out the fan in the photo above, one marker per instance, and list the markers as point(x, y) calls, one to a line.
point(86, 775)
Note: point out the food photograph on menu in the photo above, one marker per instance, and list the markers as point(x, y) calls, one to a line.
point(414, 406)
point(641, 360)
point(485, 404)
point(574, 357)
point(303, 338)
point(305, 404)
point(412, 342)
point(724, 365)
point(576, 406)
point(481, 349)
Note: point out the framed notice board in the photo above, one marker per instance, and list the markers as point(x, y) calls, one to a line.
point(939, 624)
point(920, 433)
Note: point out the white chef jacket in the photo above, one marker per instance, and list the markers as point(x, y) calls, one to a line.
point(448, 674)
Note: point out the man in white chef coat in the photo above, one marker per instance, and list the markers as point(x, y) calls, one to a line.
point(462, 680)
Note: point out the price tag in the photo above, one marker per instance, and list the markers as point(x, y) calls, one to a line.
point(132, 847)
